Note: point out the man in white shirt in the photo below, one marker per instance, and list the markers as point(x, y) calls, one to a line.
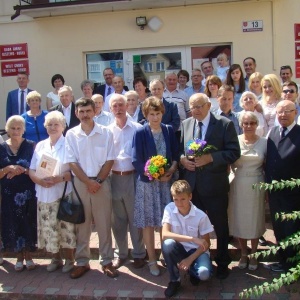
point(123, 186)
point(102, 117)
point(179, 97)
point(90, 154)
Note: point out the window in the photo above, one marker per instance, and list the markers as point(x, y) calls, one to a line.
point(160, 66)
point(148, 67)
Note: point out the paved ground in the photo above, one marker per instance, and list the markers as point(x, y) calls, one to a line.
point(132, 283)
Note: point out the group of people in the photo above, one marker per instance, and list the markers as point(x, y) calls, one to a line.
point(102, 142)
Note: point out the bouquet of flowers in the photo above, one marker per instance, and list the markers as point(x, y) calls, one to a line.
point(156, 167)
point(197, 147)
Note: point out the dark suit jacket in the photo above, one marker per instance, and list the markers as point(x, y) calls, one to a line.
point(283, 158)
point(213, 178)
point(170, 117)
point(144, 148)
point(101, 90)
point(12, 104)
point(74, 121)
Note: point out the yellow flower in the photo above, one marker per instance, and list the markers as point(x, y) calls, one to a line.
point(161, 171)
point(155, 175)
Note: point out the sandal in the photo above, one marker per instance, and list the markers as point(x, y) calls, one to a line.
point(19, 266)
point(30, 265)
point(162, 260)
point(243, 262)
point(153, 267)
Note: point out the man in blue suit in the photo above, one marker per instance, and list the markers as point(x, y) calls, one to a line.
point(16, 99)
point(171, 116)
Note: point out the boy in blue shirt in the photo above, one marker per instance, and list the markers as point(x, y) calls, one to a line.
point(185, 234)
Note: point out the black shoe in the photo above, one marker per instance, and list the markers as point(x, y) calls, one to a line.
point(194, 280)
point(262, 241)
point(277, 267)
point(222, 272)
point(172, 289)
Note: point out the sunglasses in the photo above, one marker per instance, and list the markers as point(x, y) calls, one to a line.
point(289, 91)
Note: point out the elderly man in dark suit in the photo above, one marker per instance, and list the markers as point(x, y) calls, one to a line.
point(67, 107)
point(16, 99)
point(208, 174)
point(283, 162)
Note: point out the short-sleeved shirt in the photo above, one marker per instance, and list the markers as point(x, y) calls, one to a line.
point(123, 145)
point(181, 99)
point(89, 151)
point(196, 223)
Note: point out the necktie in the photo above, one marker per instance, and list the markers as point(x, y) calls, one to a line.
point(108, 91)
point(200, 124)
point(283, 133)
point(22, 103)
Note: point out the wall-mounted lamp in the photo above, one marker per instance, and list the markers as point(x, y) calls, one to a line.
point(141, 22)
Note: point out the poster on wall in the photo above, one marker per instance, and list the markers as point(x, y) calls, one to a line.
point(13, 51)
point(13, 67)
point(117, 66)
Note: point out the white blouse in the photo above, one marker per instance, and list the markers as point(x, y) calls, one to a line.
point(48, 195)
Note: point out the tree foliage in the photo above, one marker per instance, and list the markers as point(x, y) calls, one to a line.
point(294, 240)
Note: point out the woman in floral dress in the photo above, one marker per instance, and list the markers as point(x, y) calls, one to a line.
point(154, 138)
point(18, 211)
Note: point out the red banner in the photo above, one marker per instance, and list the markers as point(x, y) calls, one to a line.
point(12, 68)
point(13, 51)
point(297, 32)
point(297, 68)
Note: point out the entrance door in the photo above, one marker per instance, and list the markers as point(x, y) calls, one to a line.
point(153, 63)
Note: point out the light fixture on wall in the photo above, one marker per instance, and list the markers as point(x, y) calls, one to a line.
point(141, 22)
point(155, 24)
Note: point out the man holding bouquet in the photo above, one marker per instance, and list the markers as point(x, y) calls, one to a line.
point(207, 173)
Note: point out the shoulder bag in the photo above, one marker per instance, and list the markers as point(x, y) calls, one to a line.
point(69, 211)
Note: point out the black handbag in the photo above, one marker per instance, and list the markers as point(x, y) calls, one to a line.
point(68, 211)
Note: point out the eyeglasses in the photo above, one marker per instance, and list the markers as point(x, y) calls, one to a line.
point(245, 124)
point(285, 112)
point(198, 106)
point(289, 91)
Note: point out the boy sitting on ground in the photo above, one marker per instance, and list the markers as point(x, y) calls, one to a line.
point(185, 235)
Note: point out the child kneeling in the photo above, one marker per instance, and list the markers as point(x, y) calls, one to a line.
point(185, 234)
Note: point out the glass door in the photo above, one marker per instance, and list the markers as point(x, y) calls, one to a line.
point(153, 63)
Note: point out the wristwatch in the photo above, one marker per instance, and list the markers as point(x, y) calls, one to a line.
point(99, 180)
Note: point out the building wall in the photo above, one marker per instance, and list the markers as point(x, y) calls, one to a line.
point(59, 44)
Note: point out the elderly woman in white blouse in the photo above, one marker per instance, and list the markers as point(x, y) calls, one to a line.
point(248, 101)
point(53, 234)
